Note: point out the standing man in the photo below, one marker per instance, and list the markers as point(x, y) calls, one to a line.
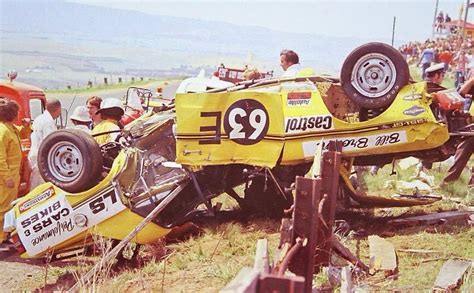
point(10, 158)
point(43, 125)
point(289, 62)
point(93, 105)
point(461, 61)
point(426, 57)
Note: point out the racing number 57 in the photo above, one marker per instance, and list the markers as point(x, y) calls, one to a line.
point(99, 204)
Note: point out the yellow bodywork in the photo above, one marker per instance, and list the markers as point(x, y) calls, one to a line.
point(118, 226)
point(293, 132)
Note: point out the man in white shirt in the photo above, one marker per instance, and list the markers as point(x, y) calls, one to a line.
point(289, 61)
point(43, 125)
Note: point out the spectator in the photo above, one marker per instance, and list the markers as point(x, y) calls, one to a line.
point(80, 119)
point(447, 19)
point(43, 125)
point(289, 61)
point(10, 158)
point(446, 58)
point(427, 56)
point(93, 105)
point(110, 114)
point(439, 22)
point(461, 62)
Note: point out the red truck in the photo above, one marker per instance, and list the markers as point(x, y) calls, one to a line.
point(32, 101)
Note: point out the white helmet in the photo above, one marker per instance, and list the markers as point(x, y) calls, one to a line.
point(110, 103)
point(80, 114)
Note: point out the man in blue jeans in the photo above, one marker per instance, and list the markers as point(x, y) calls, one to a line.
point(426, 57)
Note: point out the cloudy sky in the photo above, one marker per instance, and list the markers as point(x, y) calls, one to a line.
point(366, 19)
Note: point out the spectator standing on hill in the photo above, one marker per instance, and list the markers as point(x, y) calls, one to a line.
point(439, 22)
point(93, 105)
point(447, 19)
point(43, 125)
point(461, 62)
point(10, 157)
point(289, 62)
point(426, 57)
point(446, 57)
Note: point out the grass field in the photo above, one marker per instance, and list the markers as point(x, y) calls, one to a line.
point(208, 261)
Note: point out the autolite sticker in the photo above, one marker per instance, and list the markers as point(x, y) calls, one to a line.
point(37, 199)
point(299, 99)
point(412, 97)
point(307, 124)
point(414, 111)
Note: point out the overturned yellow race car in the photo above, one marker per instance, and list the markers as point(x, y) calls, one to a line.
point(260, 133)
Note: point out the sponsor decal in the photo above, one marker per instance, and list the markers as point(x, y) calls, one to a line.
point(414, 111)
point(308, 124)
point(358, 143)
point(415, 121)
point(56, 221)
point(299, 99)
point(37, 199)
point(412, 97)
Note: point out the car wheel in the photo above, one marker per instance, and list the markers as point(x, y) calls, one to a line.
point(70, 159)
point(373, 74)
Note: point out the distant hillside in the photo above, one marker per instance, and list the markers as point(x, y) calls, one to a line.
point(58, 43)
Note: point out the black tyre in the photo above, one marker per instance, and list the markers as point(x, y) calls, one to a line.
point(71, 159)
point(373, 74)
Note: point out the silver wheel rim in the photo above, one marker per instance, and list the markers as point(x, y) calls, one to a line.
point(65, 161)
point(373, 75)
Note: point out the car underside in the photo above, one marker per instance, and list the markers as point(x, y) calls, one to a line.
point(257, 135)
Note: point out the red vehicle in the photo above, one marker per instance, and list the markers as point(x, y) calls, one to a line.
point(32, 101)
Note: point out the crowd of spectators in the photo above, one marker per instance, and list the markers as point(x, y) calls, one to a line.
point(455, 52)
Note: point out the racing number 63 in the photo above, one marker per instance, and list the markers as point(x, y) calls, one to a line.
point(246, 122)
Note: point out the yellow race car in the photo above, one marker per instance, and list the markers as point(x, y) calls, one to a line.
point(260, 134)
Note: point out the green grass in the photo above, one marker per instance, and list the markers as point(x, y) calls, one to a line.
point(206, 263)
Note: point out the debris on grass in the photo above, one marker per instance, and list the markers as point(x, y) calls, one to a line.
point(433, 219)
point(382, 256)
point(451, 274)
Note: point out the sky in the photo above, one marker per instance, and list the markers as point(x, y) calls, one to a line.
point(342, 18)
